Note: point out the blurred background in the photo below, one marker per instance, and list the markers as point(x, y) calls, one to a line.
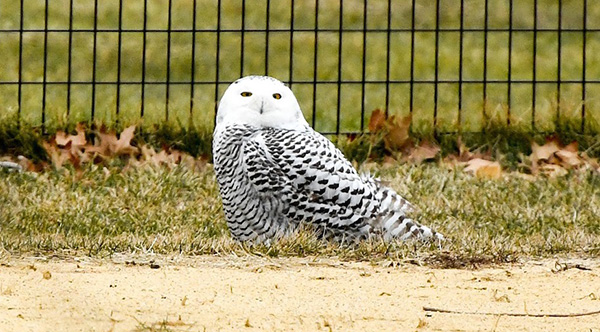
point(453, 65)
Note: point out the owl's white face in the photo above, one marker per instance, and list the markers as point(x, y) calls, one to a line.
point(260, 101)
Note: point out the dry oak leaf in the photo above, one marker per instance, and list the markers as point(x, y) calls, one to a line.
point(569, 156)
point(569, 159)
point(484, 168)
point(553, 170)
point(397, 136)
point(424, 151)
point(62, 138)
point(110, 145)
point(164, 158)
point(543, 152)
point(170, 158)
point(76, 144)
point(123, 144)
point(464, 154)
point(57, 156)
point(102, 148)
point(377, 121)
point(77, 141)
point(572, 147)
point(551, 157)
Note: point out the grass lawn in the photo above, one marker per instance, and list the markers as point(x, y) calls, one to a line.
point(102, 211)
point(105, 210)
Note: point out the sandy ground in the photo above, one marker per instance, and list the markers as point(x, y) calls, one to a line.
point(258, 294)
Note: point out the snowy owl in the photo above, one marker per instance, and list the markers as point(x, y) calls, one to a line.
point(275, 173)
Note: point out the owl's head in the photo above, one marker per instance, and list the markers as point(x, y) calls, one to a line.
point(260, 101)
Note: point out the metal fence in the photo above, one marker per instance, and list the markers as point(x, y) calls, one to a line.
point(453, 65)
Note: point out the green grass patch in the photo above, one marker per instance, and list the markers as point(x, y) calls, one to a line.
point(16, 139)
point(107, 210)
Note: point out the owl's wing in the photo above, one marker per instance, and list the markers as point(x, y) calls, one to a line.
point(311, 177)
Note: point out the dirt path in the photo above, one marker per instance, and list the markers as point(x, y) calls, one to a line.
point(253, 294)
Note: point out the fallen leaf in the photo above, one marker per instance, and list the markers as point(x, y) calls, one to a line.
point(484, 168)
point(397, 137)
point(61, 138)
point(552, 159)
point(464, 154)
point(161, 158)
point(543, 152)
point(57, 156)
point(123, 144)
point(568, 159)
point(377, 121)
point(103, 145)
point(77, 141)
point(424, 151)
point(110, 145)
point(196, 164)
point(147, 152)
point(553, 170)
point(572, 147)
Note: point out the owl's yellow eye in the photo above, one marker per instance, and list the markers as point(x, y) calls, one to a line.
point(246, 94)
point(277, 96)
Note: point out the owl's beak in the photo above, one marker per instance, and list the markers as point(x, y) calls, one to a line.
point(262, 106)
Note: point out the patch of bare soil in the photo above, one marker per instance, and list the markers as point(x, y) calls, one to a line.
point(255, 294)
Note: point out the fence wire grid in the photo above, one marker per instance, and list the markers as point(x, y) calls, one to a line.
point(453, 65)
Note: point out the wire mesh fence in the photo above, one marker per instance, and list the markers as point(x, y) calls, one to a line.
point(453, 65)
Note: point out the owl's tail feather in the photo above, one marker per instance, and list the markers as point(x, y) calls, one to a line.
point(395, 224)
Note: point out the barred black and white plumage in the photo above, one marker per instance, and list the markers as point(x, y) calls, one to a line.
point(275, 172)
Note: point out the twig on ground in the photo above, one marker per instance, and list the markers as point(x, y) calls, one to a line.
point(560, 267)
point(446, 311)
